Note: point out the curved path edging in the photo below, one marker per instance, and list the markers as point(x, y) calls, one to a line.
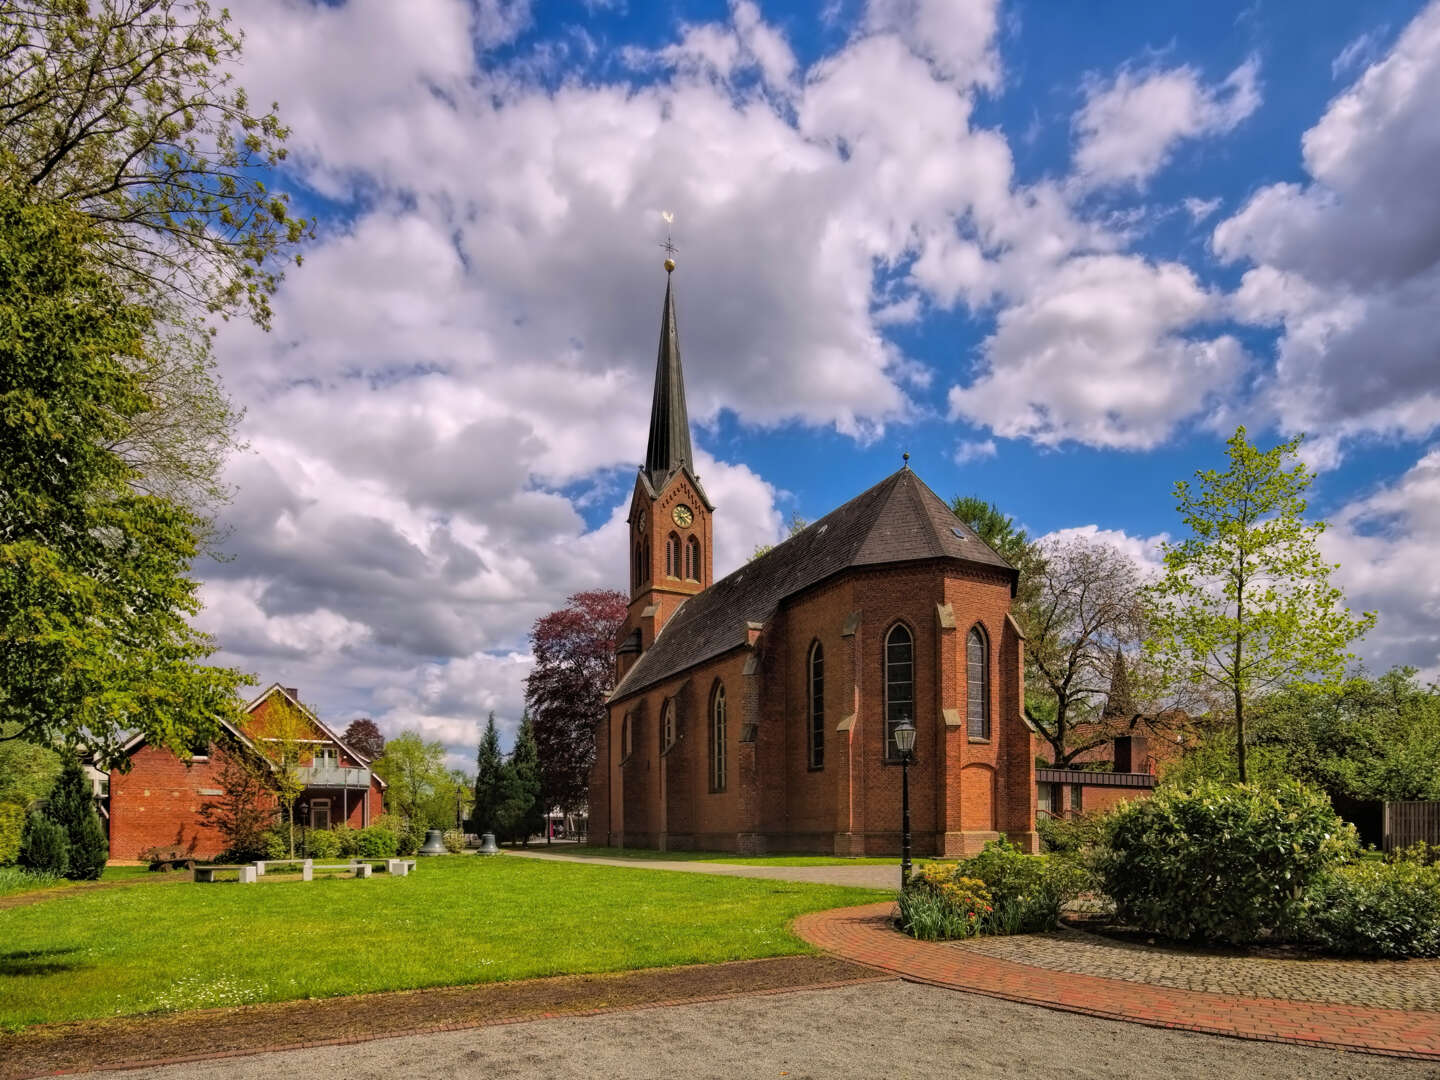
point(865, 935)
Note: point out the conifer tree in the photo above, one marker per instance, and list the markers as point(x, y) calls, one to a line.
point(521, 814)
point(489, 770)
point(72, 807)
point(44, 847)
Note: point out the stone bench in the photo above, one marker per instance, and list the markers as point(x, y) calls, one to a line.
point(262, 865)
point(359, 869)
point(399, 867)
point(246, 875)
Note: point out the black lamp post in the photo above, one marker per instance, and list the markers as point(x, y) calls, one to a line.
point(905, 743)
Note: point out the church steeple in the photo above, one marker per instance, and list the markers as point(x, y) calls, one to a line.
point(669, 445)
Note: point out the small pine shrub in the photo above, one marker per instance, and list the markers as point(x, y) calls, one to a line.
point(1221, 862)
point(44, 847)
point(454, 841)
point(72, 807)
point(1376, 909)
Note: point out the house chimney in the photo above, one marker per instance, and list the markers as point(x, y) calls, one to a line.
point(292, 691)
point(1131, 751)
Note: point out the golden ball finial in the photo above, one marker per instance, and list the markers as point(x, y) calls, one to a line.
point(669, 265)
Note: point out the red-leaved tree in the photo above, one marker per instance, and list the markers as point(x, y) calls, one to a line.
point(363, 736)
point(574, 672)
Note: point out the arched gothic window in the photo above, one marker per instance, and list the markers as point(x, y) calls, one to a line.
point(717, 738)
point(692, 559)
point(672, 556)
point(977, 685)
point(667, 725)
point(817, 706)
point(899, 684)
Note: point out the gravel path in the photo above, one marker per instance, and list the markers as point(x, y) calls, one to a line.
point(1414, 984)
point(865, 877)
point(888, 1029)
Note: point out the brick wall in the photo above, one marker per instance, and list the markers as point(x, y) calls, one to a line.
point(963, 791)
point(157, 803)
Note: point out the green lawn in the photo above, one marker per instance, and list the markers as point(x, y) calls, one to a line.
point(14, 881)
point(124, 951)
point(717, 857)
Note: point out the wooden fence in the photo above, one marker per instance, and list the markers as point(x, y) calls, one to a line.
point(1408, 823)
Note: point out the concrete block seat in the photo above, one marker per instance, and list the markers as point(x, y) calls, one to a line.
point(246, 875)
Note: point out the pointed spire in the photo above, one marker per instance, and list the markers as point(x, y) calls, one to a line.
point(669, 445)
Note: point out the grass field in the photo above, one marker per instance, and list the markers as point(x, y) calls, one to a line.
point(717, 857)
point(113, 952)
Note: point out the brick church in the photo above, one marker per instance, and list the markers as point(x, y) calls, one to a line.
point(755, 713)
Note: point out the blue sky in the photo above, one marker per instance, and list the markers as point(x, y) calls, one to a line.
point(1055, 251)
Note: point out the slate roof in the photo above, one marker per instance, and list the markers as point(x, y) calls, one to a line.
point(898, 520)
point(669, 446)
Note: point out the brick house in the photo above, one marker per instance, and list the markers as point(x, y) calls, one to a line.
point(757, 712)
point(157, 801)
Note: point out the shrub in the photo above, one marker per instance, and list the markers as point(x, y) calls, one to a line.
point(72, 807)
point(1220, 862)
point(409, 835)
point(1376, 909)
point(936, 905)
point(12, 825)
point(376, 841)
point(454, 841)
point(348, 840)
point(1027, 891)
point(44, 846)
point(277, 842)
point(1419, 852)
point(1069, 836)
point(321, 844)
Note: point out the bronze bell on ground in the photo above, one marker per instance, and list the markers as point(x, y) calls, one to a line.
point(487, 845)
point(434, 843)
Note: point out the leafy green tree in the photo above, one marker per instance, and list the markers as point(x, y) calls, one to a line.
point(95, 593)
point(1370, 738)
point(27, 773)
point(415, 773)
point(797, 524)
point(520, 812)
point(282, 737)
point(1246, 604)
point(127, 111)
point(245, 808)
point(451, 791)
point(72, 807)
point(489, 770)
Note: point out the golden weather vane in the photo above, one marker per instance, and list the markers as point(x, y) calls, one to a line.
point(668, 244)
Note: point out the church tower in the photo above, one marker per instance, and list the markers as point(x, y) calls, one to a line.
point(671, 541)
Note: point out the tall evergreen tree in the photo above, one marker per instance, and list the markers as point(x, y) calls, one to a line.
point(72, 807)
point(489, 770)
point(520, 812)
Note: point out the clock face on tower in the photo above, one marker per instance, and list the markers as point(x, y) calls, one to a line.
point(683, 516)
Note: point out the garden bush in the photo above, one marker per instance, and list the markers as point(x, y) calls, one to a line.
point(454, 841)
point(1376, 909)
point(44, 847)
point(938, 906)
point(1069, 836)
point(277, 842)
point(409, 835)
point(1220, 862)
point(321, 844)
point(376, 842)
point(12, 826)
point(72, 807)
point(1027, 891)
point(348, 839)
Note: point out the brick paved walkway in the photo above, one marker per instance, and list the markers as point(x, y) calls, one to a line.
point(865, 935)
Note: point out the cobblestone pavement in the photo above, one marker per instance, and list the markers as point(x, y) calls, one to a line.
point(1413, 984)
point(866, 935)
point(864, 877)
